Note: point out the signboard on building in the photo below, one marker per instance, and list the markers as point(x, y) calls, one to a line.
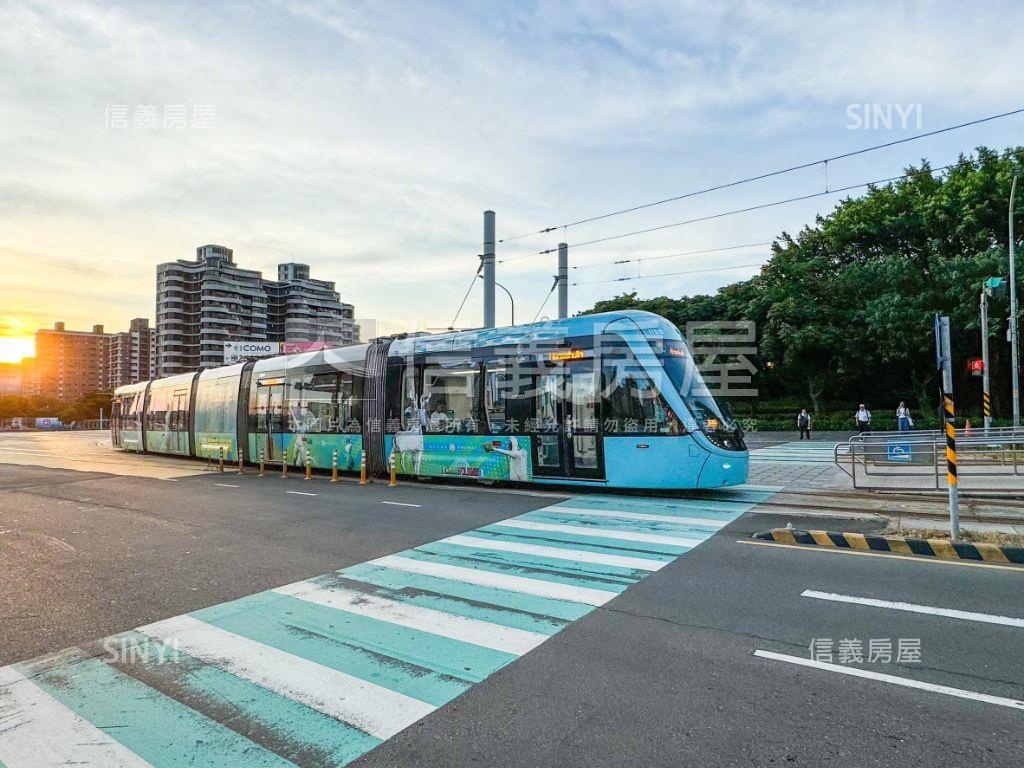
point(243, 351)
point(295, 347)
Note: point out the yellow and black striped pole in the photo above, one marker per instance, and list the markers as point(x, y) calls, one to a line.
point(946, 364)
point(986, 407)
point(951, 465)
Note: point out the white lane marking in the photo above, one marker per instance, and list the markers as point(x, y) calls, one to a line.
point(703, 521)
point(37, 729)
point(951, 613)
point(301, 493)
point(474, 631)
point(225, 485)
point(482, 578)
point(579, 555)
point(604, 533)
point(372, 708)
point(169, 479)
point(400, 504)
point(904, 681)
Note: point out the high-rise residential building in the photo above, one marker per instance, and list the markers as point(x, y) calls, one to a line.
point(69, 364)
point(203, 303)
point(131, 354)
point(300, 308)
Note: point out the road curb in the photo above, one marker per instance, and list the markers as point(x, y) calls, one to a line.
point(900, 545)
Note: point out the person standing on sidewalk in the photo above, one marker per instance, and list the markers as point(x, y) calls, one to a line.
point(863, 419)
point(803, 423)
point(903, 420)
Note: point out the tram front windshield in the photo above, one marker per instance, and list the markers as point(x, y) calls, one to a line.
point(713, 416)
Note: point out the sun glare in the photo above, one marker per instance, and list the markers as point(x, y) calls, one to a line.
point(14, 348)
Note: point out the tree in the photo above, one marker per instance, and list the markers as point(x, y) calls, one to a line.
point(845, 307)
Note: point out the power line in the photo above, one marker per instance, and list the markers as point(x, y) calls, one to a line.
point(468, 291)
point(672, 255)
point(762, 206)
point(545, 302)
point(802, 166)
point(669, 274)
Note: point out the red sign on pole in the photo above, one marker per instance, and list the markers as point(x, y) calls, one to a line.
point(976, 366)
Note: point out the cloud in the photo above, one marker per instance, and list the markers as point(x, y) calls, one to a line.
point(366, 138)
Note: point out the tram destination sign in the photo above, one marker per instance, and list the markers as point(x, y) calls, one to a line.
point(243, 351)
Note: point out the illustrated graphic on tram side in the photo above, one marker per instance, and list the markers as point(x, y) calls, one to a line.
point(483, 457)
point(292, 447)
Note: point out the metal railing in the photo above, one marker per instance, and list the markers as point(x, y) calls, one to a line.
point(989, 460)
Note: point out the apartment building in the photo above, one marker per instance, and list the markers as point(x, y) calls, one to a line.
point(300, 308)
point(204, 303)
point(131, 354)
point(69, 364)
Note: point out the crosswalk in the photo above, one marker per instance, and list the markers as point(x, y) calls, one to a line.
point(319, 672)
point(799, 451)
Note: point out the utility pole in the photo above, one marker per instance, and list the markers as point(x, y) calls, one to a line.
point(488, 266)
point(986, 395)
point(946, 363)
point(1015, 373)
point(563, 281)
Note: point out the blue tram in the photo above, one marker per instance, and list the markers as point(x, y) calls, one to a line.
point(610, 400)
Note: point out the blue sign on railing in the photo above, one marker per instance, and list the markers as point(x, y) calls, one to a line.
point(899, 452)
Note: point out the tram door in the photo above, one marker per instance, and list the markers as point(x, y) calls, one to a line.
point(270, 419)
point(177, 422)
point(567, 443)
point(115, 422)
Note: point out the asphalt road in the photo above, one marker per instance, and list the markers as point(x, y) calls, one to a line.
point(664, 674)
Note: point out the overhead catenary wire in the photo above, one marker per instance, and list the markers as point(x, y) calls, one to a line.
point(748, 209)
point(466, 297)
point(545, 302)
point(770, 174)
point(669, 274)
point(672, 255)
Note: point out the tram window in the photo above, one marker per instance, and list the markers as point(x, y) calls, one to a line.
point(497, 389)
point(313, 402)
point(632, 402)
point(451, 389)
point(156, 413)
point(412, 415)
point(215, 404)
point(350, 403)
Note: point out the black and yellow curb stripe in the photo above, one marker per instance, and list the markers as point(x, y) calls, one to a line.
point(901, 545)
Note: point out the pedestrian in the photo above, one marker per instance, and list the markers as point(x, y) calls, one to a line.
point(863, 419)
point(803, 423)
point(903, 421)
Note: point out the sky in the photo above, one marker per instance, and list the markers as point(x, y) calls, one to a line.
point(366, 139)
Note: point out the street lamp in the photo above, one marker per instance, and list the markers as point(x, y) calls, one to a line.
point(510, 299)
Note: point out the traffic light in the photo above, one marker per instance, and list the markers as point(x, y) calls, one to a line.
point(996, 287)
point(975, 366)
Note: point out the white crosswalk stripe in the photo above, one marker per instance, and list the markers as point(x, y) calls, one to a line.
point(37, 730)
point(482, 633)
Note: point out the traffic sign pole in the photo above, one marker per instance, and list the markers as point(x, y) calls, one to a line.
point(986, 397)
point(950, 429)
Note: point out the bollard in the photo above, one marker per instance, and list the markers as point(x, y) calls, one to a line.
point(362, 467)
point(220, 463)
point(263, 465)
point(393, 482)
point(241, 462)
point(334, 466)
point(309, 471)
point(284, 464)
